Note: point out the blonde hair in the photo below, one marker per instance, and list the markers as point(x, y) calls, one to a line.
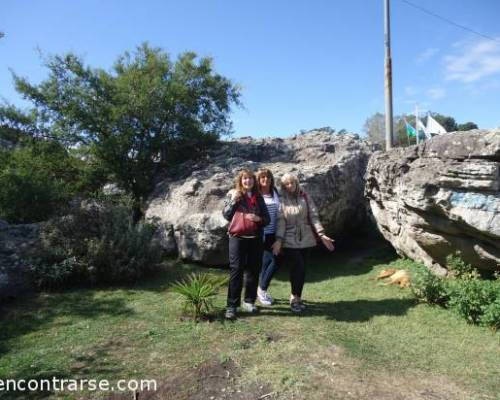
point(290, 178)
point(237, 181)
point(265, 172)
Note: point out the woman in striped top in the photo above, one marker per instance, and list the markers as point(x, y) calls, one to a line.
point(265, 182)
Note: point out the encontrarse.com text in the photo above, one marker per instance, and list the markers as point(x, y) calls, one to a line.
point(74, 385)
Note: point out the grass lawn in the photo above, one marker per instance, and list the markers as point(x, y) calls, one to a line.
point(358, 339)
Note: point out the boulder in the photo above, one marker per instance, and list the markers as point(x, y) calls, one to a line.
point(189, 207)
point(441, 196)
point(16, 241)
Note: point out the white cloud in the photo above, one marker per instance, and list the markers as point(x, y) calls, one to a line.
point(473, 61)
point(436, 93)
point(426, 54)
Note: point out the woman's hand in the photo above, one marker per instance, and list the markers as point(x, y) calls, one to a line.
point(253, 217)
point(328, 242)
point(276, 247)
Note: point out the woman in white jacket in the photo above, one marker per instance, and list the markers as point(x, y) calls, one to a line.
point(298, 230)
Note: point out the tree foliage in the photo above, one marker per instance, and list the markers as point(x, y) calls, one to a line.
point(145, 115)
point(374, 127)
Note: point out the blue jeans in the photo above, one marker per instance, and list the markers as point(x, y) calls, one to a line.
point(269, 262)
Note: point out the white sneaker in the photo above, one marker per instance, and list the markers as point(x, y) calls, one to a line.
point(264, 297)
point(249, 307)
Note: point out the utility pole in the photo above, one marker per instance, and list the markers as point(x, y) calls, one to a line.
point(388, 77)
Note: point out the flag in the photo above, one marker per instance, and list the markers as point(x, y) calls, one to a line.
point(410, 130)
point(433, 127)
point(422, 130)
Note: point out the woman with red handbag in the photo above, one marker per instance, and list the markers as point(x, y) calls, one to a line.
point(298, 230)
point(245, 209)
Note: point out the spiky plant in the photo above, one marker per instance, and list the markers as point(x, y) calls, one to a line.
point(198, 292)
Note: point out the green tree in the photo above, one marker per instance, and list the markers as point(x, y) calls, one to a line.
point(374, 127)
point(35, 179)
point(446, 121)
point(467, 126)
point(144, 116)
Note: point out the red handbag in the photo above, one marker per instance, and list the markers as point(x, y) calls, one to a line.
point(241, 226)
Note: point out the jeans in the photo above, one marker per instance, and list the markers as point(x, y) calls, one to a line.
point(245, 256)
point(269, 262)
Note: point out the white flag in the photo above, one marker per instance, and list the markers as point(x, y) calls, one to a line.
point(421, 127)
point(434, 127)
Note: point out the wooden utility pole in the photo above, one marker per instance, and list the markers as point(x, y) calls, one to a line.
point(388, 77)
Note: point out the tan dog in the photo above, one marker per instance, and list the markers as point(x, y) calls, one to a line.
point(396, 277)
point(386, 273)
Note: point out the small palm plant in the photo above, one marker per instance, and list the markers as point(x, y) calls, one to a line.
point(198, 292)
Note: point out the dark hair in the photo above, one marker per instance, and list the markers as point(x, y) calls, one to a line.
point(265, 172)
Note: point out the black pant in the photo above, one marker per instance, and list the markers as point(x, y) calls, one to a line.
point(245, 258)
point(296, 260)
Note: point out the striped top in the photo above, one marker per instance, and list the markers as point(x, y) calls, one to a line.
point(272, 204)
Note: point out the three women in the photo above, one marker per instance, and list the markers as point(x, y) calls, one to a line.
point(290, 224)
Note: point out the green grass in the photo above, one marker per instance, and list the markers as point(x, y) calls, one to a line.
point(357, 339)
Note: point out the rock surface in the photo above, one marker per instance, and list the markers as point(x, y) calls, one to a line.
point(441, 196)
point(189, 209)
point(15, 242)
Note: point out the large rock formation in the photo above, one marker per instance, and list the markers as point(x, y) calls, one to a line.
point(189, 208)
point(15, 242)
point(441, 196)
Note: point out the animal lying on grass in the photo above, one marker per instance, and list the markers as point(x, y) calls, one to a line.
point(395, 277)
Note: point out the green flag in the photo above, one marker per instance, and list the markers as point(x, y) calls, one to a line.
point(410, 130)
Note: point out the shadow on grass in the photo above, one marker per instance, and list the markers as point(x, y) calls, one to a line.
point(347, 311)
point(33, 314)
point(95, 363)
point(172, 270)
point(359, 257)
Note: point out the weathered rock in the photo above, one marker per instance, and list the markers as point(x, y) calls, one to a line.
point(189, 208)
point(441, 196)
point(16, 241)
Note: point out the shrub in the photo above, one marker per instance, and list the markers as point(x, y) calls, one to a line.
point(491, 316)
point(96, 242)
point(28, 196)
point(198, 292)
point(38, 178)
point(458, 267)
point(471, 297)
point(429, 288)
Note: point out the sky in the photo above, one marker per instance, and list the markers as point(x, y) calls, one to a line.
point(302, 64)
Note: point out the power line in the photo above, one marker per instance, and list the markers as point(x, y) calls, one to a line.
point(450, 21)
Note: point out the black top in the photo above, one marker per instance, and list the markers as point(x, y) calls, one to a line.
point(231, 206)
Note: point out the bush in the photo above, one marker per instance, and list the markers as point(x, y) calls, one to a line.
point(197, 292)
point(429, 288)
point(491, 316)
point(471, 297)
point(38, 178)
point(475, 299)
point(96, 242)
point(28, 197)
point(458, 267)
